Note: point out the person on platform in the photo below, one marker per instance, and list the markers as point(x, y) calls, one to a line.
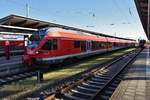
point(7, 52)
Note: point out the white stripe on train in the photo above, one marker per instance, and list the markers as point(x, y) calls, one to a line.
point(81, 55)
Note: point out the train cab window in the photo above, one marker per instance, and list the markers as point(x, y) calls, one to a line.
point(47, 45)
point(76, 44)
point(54, 44)
point(50, 45)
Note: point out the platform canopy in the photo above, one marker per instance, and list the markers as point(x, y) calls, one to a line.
point(14, 20)
point(25, 22)
point(20, 21)
point(143, 11)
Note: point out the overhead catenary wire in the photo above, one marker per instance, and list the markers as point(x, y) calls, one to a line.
point(27, 8)
point(132, 15)
point(47, 12)
point(91, 13)
point(125, 16)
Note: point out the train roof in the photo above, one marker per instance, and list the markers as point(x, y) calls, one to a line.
point(72, 35)
point(76, 35)
point(81, 33)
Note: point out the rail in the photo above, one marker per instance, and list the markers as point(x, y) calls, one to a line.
point(66, 87)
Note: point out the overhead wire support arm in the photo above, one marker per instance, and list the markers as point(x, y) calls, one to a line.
point(148, 26)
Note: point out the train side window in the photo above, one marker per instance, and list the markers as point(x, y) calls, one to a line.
point(55, 44)
point(47, 45)
point(100, 45)
point(104, 44)
point(93, 44)
point(76, 44)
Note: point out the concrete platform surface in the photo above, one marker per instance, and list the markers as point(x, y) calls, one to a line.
point(136, 82)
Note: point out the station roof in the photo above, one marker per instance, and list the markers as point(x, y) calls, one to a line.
point(20, 21)
point(14, 29)
point(142, 8)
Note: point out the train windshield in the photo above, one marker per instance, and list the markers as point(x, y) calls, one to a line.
point(33, 45)
point(38, 36)
point(35, 38)
point(42, 33)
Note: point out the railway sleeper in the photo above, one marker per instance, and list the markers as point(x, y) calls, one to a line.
point(80, 94)
point(111, 88)
point(87, 89)
point(2, 81)
point(27, 74)
point(22, 75)
point(108, 93)
point(10, 78)
point(98, 82)
point(119, 78)
point(16, 76)
point(104, 97)
point(45, 93)
point(42, 95)
point(101, 73)
point(76, 91)
point(70, 97)
point(101, 77)
point(114, 85)
point(116, 81)
point(92, 85)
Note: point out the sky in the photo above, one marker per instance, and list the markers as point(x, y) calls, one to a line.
point(113, 17)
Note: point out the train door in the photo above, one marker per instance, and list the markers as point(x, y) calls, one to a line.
point(83, 46)
point(88, 46)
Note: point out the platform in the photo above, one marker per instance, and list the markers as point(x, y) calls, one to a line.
point(12, 52)
point(12, 61)
point(136, 83)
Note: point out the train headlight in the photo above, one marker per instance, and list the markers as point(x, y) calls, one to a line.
point(36, 52)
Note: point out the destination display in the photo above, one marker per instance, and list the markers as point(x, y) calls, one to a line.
point(11, 37)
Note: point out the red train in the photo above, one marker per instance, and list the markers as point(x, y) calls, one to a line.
point(55, 45)
point(15, 40)
point(15, 36)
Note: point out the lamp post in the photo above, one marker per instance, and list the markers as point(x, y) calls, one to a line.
point(27, 10)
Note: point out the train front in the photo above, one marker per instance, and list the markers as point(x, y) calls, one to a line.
point(31, 51)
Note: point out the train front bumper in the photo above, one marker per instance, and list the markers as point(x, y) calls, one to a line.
point(27, 60)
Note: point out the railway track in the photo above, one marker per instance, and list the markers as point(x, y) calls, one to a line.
point(6, 79)
point(21, 74)
point(96, 83)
